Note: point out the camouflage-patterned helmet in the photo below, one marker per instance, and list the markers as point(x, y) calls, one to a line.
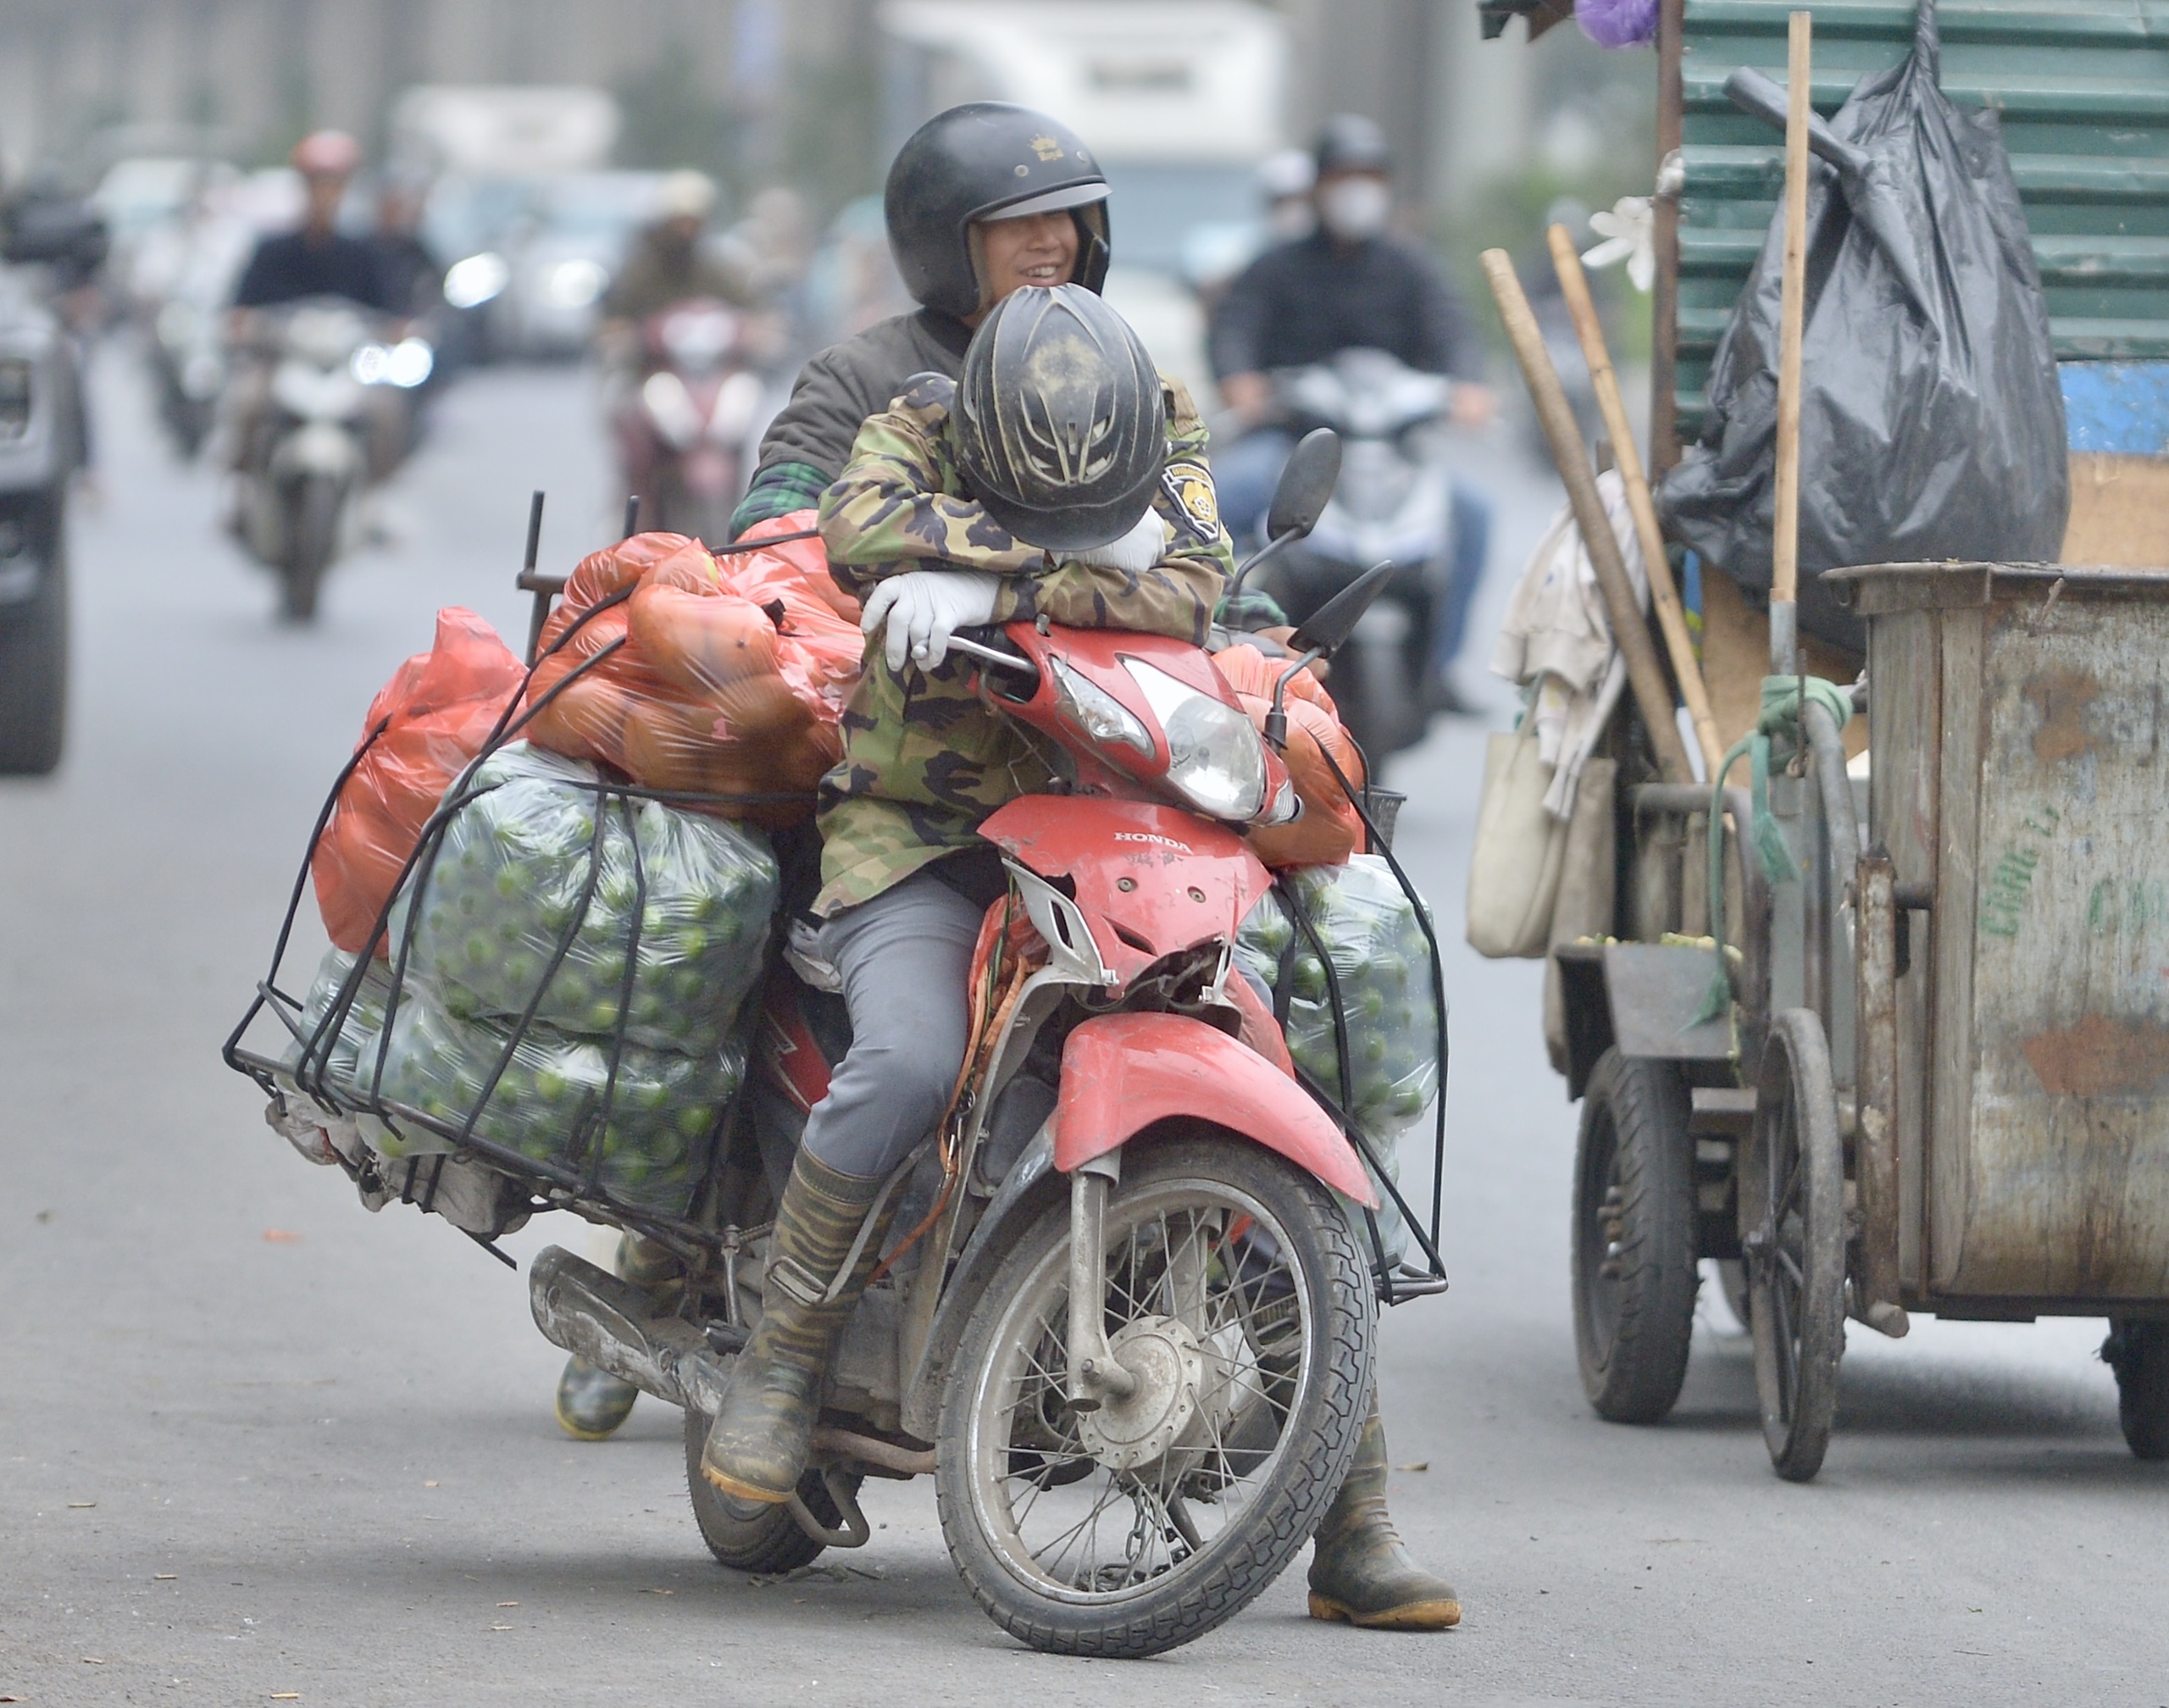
point(1060, 426)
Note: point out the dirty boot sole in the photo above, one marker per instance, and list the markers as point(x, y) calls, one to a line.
point(1413, 1616)
point(742, 1494)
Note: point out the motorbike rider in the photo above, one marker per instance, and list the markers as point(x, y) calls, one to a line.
point(983, 200)
point(1350, 283)
point(669, 263)
point(408, 272)
point(317, 259)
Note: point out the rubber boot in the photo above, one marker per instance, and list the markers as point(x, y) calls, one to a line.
point(1359, 1573)
point(764, 1430)
point(592, 1403)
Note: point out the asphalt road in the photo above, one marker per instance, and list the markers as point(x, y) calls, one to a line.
point(258, 1444)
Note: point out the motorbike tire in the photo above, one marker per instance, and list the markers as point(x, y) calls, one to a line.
point(1635, 1250)
point(1294, 1422)
point(312, 541)
point(769, 1544)
point(34, 673)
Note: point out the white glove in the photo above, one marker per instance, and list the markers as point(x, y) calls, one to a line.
point(1136, 552)
point(923, 607)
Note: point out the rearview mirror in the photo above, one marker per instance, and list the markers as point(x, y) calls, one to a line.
point(1334, 621)
point(1306, 484)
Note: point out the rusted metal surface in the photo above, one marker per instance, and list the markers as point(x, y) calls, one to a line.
point(2018, 764)
point(1875, 1146)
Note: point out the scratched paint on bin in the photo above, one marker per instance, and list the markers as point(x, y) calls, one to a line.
point(2056, 1182)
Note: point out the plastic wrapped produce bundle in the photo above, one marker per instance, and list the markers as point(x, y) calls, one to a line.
point(1382, 963)
point(335, 1055)
point(649, 1149)
point(521, 870)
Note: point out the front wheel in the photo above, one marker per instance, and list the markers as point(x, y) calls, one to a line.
point(1634, 1238)
point(1237, 1295)
point(312, 543)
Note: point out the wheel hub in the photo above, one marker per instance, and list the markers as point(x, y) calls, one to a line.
point(1168, 1362)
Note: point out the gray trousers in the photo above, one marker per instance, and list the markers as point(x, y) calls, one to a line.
point(904, 957)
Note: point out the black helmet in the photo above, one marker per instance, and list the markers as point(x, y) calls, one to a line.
point(1060, 426)
point(974, 161)
point(1350, 142)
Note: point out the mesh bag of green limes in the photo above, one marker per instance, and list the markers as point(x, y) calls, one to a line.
point(567, 967)
point(1357, 920)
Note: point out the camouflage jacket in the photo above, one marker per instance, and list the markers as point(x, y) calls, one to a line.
point(924, 758)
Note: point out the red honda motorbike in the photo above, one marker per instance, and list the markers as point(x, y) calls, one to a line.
point(1122, 1303)
point(683, 435)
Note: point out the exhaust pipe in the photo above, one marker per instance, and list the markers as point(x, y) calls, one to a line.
point(612, 1324)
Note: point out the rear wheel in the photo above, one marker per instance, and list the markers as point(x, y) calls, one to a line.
point(2139, 1352)
point(1792, 1234)
point(1238, 1297)
point(773, 1540)
point(1634, 1238)
point(34, 660)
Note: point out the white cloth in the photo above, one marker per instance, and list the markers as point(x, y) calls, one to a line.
point(922, 608)
point(1556, 642)
point(1136, 552)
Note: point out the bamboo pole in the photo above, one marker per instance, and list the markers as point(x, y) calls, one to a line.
point(1686, 669)
point(1785, 545)
point(1630, 632)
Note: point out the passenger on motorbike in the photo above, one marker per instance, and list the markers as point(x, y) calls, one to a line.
point(1349, 285)
point(1119, 539)
point(317, 259)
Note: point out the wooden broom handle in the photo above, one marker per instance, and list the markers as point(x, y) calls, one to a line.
point(1784, 544)
point(1629, 631)
point(1686, 669)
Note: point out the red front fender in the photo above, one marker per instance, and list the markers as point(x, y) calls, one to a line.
point(1123, 1072)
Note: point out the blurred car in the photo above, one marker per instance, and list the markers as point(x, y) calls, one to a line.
point(40, 445)
point(558, 256)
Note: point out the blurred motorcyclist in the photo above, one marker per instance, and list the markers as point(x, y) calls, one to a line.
point(316, 260)
point(1350, 283)
point(983, 200)
point(669, 264)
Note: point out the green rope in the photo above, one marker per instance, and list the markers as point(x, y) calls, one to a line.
point(1780, 716)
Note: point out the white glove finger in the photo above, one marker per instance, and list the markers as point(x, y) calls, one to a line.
point(898, 644)
point(876, 608)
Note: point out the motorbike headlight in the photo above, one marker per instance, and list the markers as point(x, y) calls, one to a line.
point(410, 364)
point(15, 397)
point(1216, 761)
point(470, 283)
point(575, 284)
point(371, 364)
point(1097, 712)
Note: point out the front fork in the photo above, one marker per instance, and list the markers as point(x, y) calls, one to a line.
point(1096, 1375)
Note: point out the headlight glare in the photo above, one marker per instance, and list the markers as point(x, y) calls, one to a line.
point(1216, 761)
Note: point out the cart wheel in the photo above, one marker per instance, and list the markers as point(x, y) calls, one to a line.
point(1634, 1238)
point(1792, 1206)
point(2139, 1352)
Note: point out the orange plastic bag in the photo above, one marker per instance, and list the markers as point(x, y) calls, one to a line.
point(1329, 829)
point(725, 678)
point(437, 711)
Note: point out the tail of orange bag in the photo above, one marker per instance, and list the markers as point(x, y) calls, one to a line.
point(1329, 828)
point(428, 723)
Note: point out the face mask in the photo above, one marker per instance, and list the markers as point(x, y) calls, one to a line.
point(1354, 209)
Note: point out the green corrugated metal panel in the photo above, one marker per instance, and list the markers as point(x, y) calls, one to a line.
point(2083, 91)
